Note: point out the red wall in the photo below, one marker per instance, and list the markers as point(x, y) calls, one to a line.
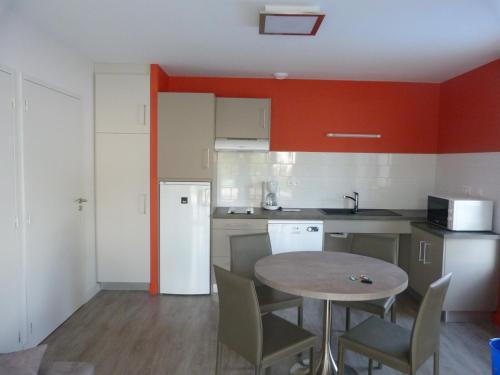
point(303, 111)
point(470, 111)
point(159, 82)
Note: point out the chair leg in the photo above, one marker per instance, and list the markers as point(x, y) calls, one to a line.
point(311, 360)
point(218, 359)
point(436, 363)
point(347, 318)
point(341, 360)
point(300, 316)
point(393, 313)
point(258, 369)
point(370, 366)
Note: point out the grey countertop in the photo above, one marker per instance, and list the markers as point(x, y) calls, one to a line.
point(316, 214)
point(444, 233)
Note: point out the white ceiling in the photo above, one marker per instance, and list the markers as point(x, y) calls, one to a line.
point(398, 40)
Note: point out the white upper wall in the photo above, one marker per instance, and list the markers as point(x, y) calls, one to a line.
point(30, 52)
point(396, 40)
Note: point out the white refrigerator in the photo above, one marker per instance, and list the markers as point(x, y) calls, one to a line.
point(185, 238)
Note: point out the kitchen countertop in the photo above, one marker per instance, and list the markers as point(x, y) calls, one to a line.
point(316, 214)
point(444, 233)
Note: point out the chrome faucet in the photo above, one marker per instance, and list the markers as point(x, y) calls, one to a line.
point(355, 199)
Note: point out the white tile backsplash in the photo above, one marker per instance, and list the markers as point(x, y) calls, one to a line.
point(310, 179)
point(476, 174)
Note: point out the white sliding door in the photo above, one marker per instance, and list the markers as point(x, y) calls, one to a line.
point(53, 180)
point(11, 290)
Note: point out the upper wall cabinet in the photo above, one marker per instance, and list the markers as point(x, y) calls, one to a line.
point(243, 118)
point(186, 132)
point(122, 103)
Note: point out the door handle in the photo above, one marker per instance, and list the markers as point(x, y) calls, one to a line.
point(420, 250)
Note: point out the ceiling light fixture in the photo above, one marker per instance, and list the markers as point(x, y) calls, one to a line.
point(290, 20)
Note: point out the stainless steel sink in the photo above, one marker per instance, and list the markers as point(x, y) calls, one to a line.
point(361, 212)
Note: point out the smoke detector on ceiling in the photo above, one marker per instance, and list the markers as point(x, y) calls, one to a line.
point(290, 20)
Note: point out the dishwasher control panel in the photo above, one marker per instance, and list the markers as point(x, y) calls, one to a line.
point(290, 235)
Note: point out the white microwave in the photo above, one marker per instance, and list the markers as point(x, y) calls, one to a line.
point(460, 214)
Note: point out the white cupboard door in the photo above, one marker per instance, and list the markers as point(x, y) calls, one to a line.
point(11, 290)
point(53, 180)
point(122, 204)
point(122, 103)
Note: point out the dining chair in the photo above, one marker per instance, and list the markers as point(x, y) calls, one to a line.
point(397, 347)
point(246, 250)
point(262, 340)
point(384, 247)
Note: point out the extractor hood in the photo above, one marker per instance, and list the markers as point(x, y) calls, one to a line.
point(233, 144)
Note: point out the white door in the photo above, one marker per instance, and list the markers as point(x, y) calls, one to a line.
point(122, 196)
point(185, 238)
point(11, 289)
point(122, 103)
point(53, 180)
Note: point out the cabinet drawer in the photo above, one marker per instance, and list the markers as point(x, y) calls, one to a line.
point(243, 224)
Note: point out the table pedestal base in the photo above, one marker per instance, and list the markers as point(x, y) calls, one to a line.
point(327, 365)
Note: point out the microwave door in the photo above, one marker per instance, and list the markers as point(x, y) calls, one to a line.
point(437, 211)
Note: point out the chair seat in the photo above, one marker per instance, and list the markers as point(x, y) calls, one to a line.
point(271, 299)
point(378, 306)
point(282, 338)
point(380, 340)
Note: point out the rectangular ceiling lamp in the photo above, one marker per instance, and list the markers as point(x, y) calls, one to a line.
point(290, 20)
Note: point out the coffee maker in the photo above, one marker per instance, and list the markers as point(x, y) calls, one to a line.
point(270, 195)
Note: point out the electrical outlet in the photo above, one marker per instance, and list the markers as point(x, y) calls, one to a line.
point(292, 181)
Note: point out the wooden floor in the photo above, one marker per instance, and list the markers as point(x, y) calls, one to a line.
point(133, 333)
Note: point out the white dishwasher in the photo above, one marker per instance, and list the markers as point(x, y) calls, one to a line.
point(288, 235)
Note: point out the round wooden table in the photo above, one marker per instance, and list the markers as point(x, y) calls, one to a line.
point(326, 276)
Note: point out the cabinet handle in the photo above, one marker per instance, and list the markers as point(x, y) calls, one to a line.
point(143, 204)
point(207, 165)
point(142, 114)
point(420, 250)
point(263, 118)
point(425, 253)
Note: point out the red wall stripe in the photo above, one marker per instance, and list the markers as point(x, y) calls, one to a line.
point(159, 82)
point(303, 111)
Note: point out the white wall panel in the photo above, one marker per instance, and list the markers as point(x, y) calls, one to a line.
point(476, 174)
point(10, 250)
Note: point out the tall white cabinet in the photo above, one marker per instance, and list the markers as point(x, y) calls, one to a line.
point(122, 175)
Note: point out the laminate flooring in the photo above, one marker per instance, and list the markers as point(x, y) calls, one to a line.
point(133, 333)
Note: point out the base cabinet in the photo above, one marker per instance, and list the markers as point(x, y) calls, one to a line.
point(472, 261)
point(223, 229)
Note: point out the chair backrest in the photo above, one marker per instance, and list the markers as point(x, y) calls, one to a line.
point(246, 250)
point(240, 323)
point(426, 328)
point(380, 246)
